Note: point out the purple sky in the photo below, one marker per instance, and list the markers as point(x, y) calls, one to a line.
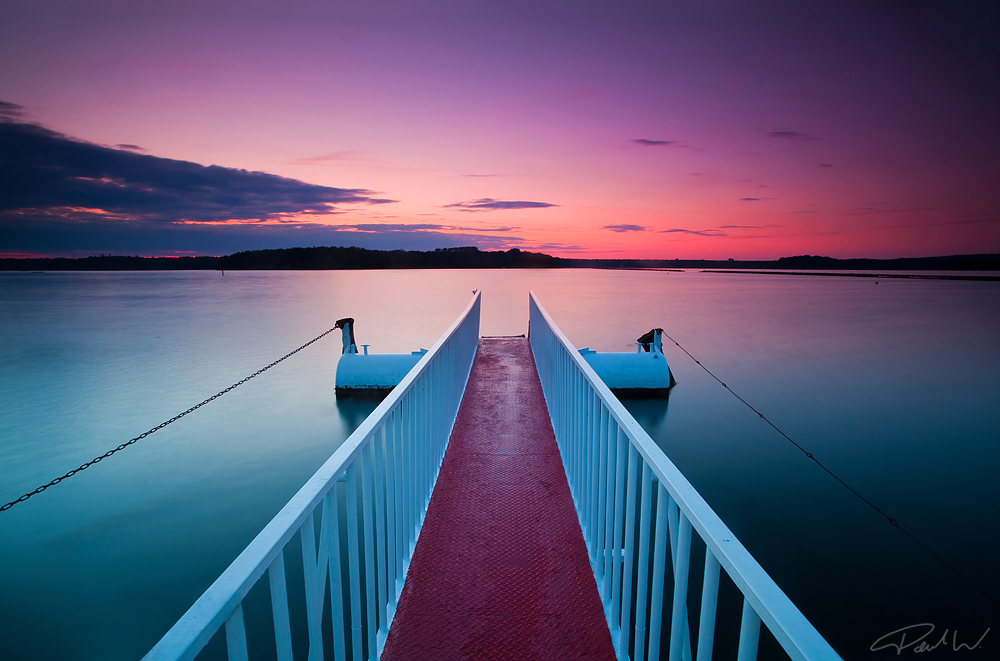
point(855, 129)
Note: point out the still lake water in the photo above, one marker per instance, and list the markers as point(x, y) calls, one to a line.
point(895, 386)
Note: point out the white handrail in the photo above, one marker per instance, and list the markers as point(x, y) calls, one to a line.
point(611, 462)
point(389, 466)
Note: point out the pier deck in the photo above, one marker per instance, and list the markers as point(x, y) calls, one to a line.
point(500, 569)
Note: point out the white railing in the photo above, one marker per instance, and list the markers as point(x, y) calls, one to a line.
point(388, 467)
point(611, 463)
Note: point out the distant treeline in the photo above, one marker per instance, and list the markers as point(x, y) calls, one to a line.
point(472, 258)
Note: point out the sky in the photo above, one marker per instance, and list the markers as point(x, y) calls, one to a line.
point(717, 129)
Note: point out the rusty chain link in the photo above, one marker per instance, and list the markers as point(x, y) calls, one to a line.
point(159, 426)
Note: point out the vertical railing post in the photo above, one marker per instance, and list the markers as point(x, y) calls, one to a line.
point(749, 633)
point(628, 549)
point(399, 503)
point(678, 620)
point(645, 516)
point(709, 599)
point(368, 516)
point(595, 469)
point(279, 608)
point(354, 560)
point(236, 636)
point(383, 534)
point(609, 510)
point(616, 579)
point(311, 578)
point(332, 509)
point(602, 504)
point(659, 571)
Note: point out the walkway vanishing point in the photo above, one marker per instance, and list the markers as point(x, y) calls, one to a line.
point(500, 503)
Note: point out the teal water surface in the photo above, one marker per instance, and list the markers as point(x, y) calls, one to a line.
point(893, 386)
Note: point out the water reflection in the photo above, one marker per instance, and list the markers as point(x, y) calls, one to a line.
point(650, 412)
point(353, 409)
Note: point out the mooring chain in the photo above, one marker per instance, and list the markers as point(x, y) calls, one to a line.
point(159, 426)
point(836, 477)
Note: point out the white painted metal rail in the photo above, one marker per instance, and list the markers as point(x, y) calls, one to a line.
point(387, 467)
point(621, 479)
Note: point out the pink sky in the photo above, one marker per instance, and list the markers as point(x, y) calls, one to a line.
point(846, 132)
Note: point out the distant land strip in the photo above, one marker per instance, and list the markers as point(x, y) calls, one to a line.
point(337, 258)
point(921, 276)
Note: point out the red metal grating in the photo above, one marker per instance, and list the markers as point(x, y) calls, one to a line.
point(500, 570)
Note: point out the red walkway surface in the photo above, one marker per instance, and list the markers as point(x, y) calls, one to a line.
point(500, 570)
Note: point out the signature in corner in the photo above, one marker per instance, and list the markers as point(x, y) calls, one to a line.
point(916, 637)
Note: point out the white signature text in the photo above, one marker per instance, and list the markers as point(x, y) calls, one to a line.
point(919, 638)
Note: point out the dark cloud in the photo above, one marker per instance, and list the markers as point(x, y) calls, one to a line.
point(47, 173)
point(625, 228)
point(826, 165)
point(129, 147)
point(698, 232)
point(489, 204)
point(749, 199)
point(653, 143)
point(11, 110)
point(792, 135)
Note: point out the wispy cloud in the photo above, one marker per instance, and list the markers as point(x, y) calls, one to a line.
point(625, 228)
point(36, 234)
point(697, 232)
point(653, 143)
point(825, 165)
point(887, 207)
point(129, 147)
point(335, 158)
point(421, 227)
point(567, 247)
point(748, 227)
point(489, 204)
point(481, 175)
point(749, 199)
point(393, 227)
point(792, 135)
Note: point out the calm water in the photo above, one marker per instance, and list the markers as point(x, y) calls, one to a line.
point(894, 386)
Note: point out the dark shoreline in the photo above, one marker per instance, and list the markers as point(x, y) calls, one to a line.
point(914, 276)
point(336, 258)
